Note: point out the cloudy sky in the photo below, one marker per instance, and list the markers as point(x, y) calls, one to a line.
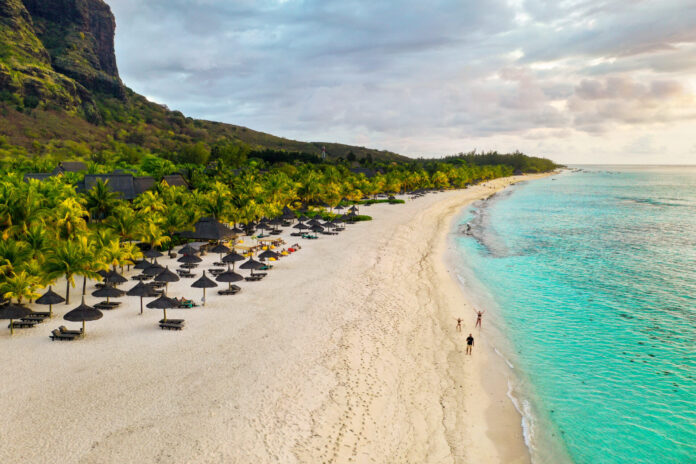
point(574, 80)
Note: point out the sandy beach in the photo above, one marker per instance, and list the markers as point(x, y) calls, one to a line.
point(346, 352)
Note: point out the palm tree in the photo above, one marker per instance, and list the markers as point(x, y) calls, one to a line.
point(12, 254)
point(153, 234)
point(70, 218)
point(21, 285)
point(70, 258)
point(101, 200)
point(124, 221)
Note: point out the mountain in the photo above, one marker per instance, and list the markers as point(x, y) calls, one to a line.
point(60, 90)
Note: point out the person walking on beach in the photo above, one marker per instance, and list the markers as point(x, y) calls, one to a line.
point(459, 324)
point(469, 343)
point(479, 315)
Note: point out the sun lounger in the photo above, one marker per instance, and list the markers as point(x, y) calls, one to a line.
point(38, 318)
point(57, 335)
point(228, 291)
point(254, 278)
point(172, 321)
point(141, 277)
point(185, 273)
point(171, 326)
point(21, 324)
point(65, 331)
point(45, 315)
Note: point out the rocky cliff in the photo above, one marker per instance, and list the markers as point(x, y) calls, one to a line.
point(58, 53)
point(58, 74)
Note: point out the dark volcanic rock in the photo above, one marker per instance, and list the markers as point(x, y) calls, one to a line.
point(79, 36)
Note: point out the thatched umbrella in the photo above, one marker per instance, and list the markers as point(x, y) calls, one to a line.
point(153, 269)
point(269, 254)
point(187, 250)
point(204, 282)
point(314, 222)
point(301, 226)
point(143, 291)
point(237, 231)
point(164, 303)
point(107, 291)
point(113, 277)
point(288, 213)
point(317, 228)
point(166, 276)
point(303, 218)
point(103, 273)
point(142, 264)
point(252, 264)
point(50, 298)
point(220, 249)
point(208, 228)
point(152, 253)
point(83, 313)
point(14, 311)
point(232, 258)
point(188, 259)
point(229, 276)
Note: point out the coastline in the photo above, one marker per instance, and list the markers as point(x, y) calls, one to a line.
point(346, 353)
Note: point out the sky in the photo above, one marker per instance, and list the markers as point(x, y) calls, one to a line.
point(576, 81)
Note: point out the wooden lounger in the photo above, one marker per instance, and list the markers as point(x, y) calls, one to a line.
point(21, 324)
point(171, 326)
point(65, 331)
point(226, 291)
point(56, 335)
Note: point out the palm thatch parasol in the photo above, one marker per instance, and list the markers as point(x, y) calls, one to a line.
point(143, 291)
point(83, 313)
point(113, 277)
point(209, 228)
point(187, 250)
point(50, 298)
point(164, 303)
point(188, 259)
point(152, 253)
point(204, 282)
point(229, 276)
point(252, 264)
point(142, 264)
point(166, 276)
point(107, 292)
point(233, 258)
point(269, 254)
point(14, 311)
point(153, 269)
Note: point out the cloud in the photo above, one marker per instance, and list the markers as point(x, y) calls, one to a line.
point(413, 76)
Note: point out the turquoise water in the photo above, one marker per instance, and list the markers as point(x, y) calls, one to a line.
point(590, 278)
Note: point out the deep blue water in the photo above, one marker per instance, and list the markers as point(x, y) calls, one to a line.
point(590, 278)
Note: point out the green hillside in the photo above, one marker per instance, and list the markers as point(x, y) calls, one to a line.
point(60, 93)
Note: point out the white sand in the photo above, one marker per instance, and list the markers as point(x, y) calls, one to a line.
point(346, 352)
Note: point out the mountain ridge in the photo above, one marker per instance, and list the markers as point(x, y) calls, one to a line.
point(58, 70)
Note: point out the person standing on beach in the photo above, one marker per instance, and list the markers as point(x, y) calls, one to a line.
point(459, 324)
point(469, 343)
point(479, 315)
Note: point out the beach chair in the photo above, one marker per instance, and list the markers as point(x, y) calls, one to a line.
point(37, 318)
point(21, 324)
point(56, 335)
point(65, 331)
point(169, 325)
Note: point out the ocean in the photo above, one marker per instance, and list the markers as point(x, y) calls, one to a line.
point(588, 280)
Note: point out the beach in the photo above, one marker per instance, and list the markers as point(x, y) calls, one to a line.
point(346, 352)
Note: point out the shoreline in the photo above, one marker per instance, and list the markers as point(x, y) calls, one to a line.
point(346, 352)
